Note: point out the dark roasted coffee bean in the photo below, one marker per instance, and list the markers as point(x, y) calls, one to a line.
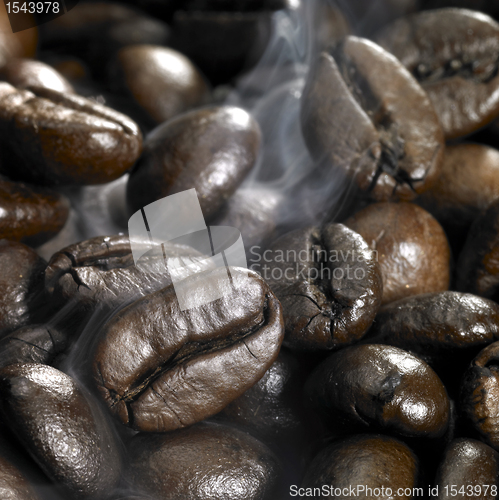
point(203, 462)
point(30, 214)
point(453, 54)
point(184, 366)
point(478, 265)
point(468, 184)
point(25, 73)
point(31, 344)
point(360, 462)
point(446, 329)
point(96, 31)
point(469, 468)
point(13, 484)
point(328, 282)
point(210, 149)
point(95, 144)
point(62, 429)
point(393, 145)
point(380, 387)
point(411, 248)
point(99, 273)
point(480, 394)
point(163, 82)
point(21, 282)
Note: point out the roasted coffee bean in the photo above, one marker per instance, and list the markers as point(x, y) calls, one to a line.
point(453, 54)
point(210, 149)
point(25, 73)
point(30, 214)
point(13, 484)
point(331, 25)
point(160, 368)
point(480, 394)
point(377, 462)
point(97, 31)
point(203, 462)
point(468, 184)
point(469, 468)
point(21, 282)
point(392, 146)
point(411, 248)
point(381, 388)
point(444, 328)
point(100, 273)
point(62, 429)
point(163, 82)
point(31, 344)
point(478, 265)
point(94, 143)
point(328, 282)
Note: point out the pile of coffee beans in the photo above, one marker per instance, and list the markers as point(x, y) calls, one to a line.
point(357, 355)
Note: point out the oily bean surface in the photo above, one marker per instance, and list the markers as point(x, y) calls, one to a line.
point(393, 145)
point(13, 484)
point(62, 430)
point(21, 282)
point(480, 395)
point(372, 461)
point(453, 54)
point(329, 285)
point(55, 138)
point(411, 248)
point(31, 214)
point(205, 461)
point(478, 264)
point(100, 272)
point(380, 387)
point(25, 73)
point(468, 184)
point(211, 150)
point(469, 465)
point(162, 81)
point(438, 327)
point(159, 368)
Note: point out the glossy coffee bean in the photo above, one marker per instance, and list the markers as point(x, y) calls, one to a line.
point(329, 285)
point(443, 328)
point(211, 150)
point(21, 282)
point(453, 54)
point(380, 387)
point(30, 214)
point(162, 81)
point(62, 429)
point(13, 483)
point(480, 395)
point(411, 248)
point(364, 461)
point(100, 273)
point(25, 73)
point(184, 366)
point(469, 468)
point(393, 145)
point(31, 344)
point(468, 184)
point(95, 144)
point(96, 31)
point(203, 462)
point(477, 270)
